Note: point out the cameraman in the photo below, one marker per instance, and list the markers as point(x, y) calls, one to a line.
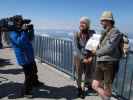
point(25, 55)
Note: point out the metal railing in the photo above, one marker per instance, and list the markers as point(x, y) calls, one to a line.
point(59, 54)
point(56, 52)
point(123, 83)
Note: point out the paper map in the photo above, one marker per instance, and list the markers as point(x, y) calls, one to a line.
point(93, 42)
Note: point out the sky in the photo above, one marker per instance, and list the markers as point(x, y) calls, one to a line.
point(65, 14)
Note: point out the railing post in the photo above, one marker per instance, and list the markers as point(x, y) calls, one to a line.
point(129, 97)
point(41, 48)
point(72, 62)
point(125, 70)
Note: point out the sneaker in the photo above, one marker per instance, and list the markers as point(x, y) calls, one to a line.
point(91, 92)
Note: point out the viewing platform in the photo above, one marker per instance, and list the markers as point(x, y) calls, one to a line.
point(58, 86)
point(56, 70)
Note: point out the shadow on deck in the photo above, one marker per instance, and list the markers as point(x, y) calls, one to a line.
point(4, 62)
point(14, 91)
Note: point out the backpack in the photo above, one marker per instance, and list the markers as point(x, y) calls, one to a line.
point(124, 45)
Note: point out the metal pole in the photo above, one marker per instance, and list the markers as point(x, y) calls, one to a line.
point(129, 97)
point(125, 70)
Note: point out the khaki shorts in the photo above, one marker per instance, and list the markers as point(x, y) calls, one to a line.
point(105, 72)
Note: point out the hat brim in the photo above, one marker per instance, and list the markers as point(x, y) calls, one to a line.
point(110, 19)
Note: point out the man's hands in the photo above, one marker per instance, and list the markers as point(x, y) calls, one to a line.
point(88, 60)
point(94, 51)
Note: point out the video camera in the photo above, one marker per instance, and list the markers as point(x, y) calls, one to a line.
point(10, 24)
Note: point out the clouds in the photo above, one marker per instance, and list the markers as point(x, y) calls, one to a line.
point(52, 24)
point(74, 25)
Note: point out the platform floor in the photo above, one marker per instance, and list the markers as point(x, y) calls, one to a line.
point(58, 86)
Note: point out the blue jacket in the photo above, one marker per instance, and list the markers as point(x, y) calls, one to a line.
point(22, 47)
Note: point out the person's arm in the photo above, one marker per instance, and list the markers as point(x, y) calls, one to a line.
point(111, 44)
point(20, 40)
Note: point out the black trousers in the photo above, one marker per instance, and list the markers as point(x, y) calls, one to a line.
point(30, 71)
point(30, 68)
